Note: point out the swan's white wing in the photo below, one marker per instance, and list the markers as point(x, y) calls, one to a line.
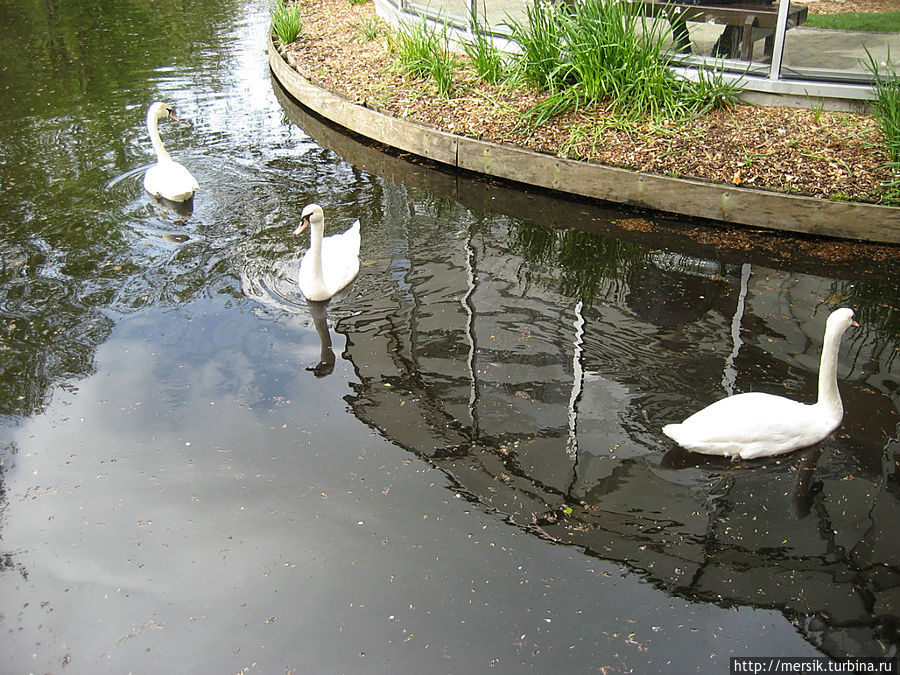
point(344, 244)
point(170, 180)
point(750, 425)
point(340, 258)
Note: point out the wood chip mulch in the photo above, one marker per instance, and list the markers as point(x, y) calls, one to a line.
point(809, 152)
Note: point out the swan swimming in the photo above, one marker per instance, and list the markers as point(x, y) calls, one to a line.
point(755, 424)
point(330, 263)
point(167, 179)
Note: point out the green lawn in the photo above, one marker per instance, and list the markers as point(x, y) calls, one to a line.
point(889, 21)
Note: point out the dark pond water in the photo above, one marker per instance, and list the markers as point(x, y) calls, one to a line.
point(458, 467)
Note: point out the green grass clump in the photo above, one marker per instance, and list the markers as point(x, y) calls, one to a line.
point(887, 112)
point(488, 61)
point(602, 50)
point(423, 51)
point(887, 105)
point(540, 40)
point(369, 29)
point(286, 22)
point(865, 21)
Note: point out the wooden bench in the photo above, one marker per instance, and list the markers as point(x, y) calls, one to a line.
point(745, 22)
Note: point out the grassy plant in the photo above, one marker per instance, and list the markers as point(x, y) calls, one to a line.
point(541, 42)
point(487, 60)
point(369, 29)
point(711, 91)
point(286, 22)
point(866, 21)
point(559, 102)
point(892, 185)
point(816, 108)
point(887, 104)
point(887, 113)
point(602, 50)
point(358, 2)
point(423, 52)
point(611, 58)
point(584, 139)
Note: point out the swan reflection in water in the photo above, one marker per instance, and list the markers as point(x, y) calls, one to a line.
point(319, 313)
point(181, 210)
point(176, 213)
point(273, 285)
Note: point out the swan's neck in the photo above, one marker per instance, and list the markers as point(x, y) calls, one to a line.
point(316, 234)
point(153, 129)
point(829, 394)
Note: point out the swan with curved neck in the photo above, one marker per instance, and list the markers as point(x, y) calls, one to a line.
point(167, 179)
point(330, 263)
point(755, 424)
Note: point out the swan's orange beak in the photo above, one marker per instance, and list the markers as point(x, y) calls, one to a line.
point(172, 115)
point(304, 222)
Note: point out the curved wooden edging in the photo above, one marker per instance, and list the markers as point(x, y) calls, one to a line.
point(742, 206)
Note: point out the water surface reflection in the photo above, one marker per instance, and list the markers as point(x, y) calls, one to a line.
point(202, 472)
point(536, 365)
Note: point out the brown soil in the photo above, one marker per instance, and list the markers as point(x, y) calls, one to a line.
point(810, 152)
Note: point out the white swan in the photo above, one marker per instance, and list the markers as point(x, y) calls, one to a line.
point(754, 424)
point(330, 263)
point(167, 179)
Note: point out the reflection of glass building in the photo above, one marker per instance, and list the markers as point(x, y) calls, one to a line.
point(540, 386)
point(535, 366)
point(781, 59)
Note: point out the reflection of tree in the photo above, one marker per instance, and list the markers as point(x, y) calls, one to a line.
point(71, 69)
point(578, 262)
point(546, 407)
point(877, 311)
point(671, 289)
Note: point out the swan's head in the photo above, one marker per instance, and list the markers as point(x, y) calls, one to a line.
point(159, 110)
point(840, 320)
point(312, 213)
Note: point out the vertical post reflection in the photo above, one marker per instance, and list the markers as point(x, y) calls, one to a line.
point(469, 308)
point(729, 376)
point(577, 380)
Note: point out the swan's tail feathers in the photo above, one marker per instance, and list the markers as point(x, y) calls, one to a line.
point(671, 430)
point(353, 237)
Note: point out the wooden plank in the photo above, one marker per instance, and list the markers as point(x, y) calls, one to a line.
point(731, 204)
point(437, 145)
point(720, 202)
point(366, 156)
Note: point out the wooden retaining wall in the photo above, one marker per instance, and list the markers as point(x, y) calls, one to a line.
point(720, 202)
